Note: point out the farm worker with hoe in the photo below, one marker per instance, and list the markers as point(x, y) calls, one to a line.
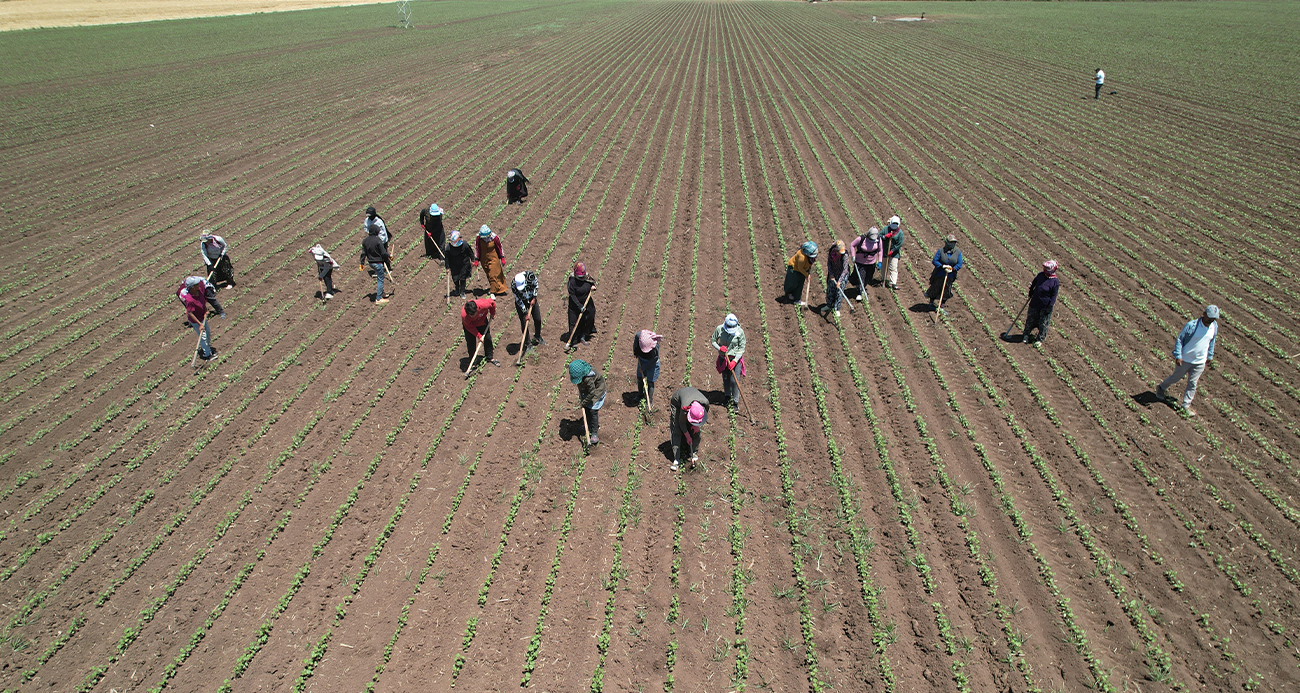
point(324, 269)
point(375, 223)
point(516, 186)
point(837, 273)
point(487, 251)
point(476, 317)
point(729, 339)
point(947, 260)
point(1099, 80)
point(867, 250)
point(212, 248)
point(196, 309)
point(689, 411)
point(206, 288)
point(375, 254)
point(591, 395)
point(582, 312)
point(435, 239)
point(1193, 349)
point(645, 347)
point(796, 271)
point(893, 249)
point(460, 263)
point(1042, 298)
point(525, 288)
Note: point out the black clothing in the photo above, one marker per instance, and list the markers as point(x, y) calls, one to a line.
point(1038, 319)
point(584, 321)
point(522, 310)
point(373, 251)
point(435, 239)
point(678, 427)
point(224, 272)
point(516, 187)
point(460, 262)
point(471, 342)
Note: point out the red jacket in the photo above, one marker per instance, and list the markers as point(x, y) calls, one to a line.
point(487, 309)
point(195, 308)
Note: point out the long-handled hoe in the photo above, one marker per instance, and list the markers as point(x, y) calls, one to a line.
point(735, 377)
point(844, 298)
point(574, 332)
point(585, 428)
point(523, 338)
point(942, 293)
point(1017, 319)
point(194, 362)
point(444, 264)
point(477, 350)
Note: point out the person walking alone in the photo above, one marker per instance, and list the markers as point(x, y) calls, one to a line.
point(729, 340)
point(893, 250)
point(582, 312)
point(837, 274)
point(206, 288)
point(1099, 79)
point(375, 223)
point(796, 272)
point(645, 347)
point(947, 260)
point(324, 269)
point(867, 251)
point(460, 263)
point(216, 258)
point(476, 319)
point(1042, 298)
point(1193, 350)
point(196, 312)
point(516, 186)
point(487, 252)
point(375, 254)
point(591, 395)
point(688, 410)
point(525, 288)
point(435, 239)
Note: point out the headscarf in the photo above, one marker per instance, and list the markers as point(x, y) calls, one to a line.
point(455, 239)
point(520, 281)
point(695, 414)
point(578, 369)
point(197, 291)
point(809, 249)
point(873, 233)
point(370, 212)
point(372, 229)
point(839, 246)
point(435, 210)
point(1049, 268)
point(510, 175)
point(205, 237)
point(950, 242)
point(647, 340)
point(318, 252)
point(730, 323)
point(894, 222)
point(485, 232)
point(579, 270)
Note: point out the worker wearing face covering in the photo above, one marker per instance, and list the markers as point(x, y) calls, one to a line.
point(1042, 298)
point(796, 271)
point(582, 312)
point(947, 260)
point(460, 263)
point(645, 347)
point(516, 186)
point(893, 249)
point(526, 302)
point(867, 251)
point(375, 223)
point(688, 410)
point(729, 339)
point(435, 239)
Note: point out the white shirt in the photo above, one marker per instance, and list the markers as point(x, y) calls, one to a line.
point(1101, 77)
point(378, 223)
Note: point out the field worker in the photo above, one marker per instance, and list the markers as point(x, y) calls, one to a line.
point(375, 223)
point(893, 240)
point(487, 252)
point(591, 394)
point(525, 288)
point(582, 312)
point(516, 186)
point(375, 254)
point(213, 249)
point(796, 271)
point(206, 288)
point(1098, 80)
point(729, 339)
point(435, 239)
point(476, 317)
point(947, 260)
point(866, 250)
point(1042, 298)
point(837, 274)
point(324, 268)
point(460, 263)
point(196, 309)
point(688, 411)
point(1192, 350)
point(645, 347)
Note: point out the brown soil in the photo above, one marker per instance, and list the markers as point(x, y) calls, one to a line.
point(332, 498)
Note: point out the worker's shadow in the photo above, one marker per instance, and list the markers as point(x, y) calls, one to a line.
point(922, 307)
point(1149, 398)
point(633, 398)
point(1012, 338)
point(572, 428)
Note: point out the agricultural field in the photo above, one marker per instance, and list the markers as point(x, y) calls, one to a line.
point(907, 502)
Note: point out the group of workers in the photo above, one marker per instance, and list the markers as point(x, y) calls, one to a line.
point(871, 259)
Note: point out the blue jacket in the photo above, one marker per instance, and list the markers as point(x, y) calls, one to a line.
point(1195, 344)
point(942, 258)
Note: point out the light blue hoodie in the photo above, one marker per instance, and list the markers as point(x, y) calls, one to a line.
point(1195, 344)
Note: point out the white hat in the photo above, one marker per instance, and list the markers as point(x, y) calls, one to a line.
point(318, 252)
point(895, 220)
point(520, 281)
point(510, 173)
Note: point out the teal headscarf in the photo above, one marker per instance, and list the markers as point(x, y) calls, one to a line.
point(578, 369)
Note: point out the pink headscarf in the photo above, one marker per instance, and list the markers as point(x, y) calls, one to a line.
point(1050, 268)
point(579, 270)
point(695, 414)
point(647, 339)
